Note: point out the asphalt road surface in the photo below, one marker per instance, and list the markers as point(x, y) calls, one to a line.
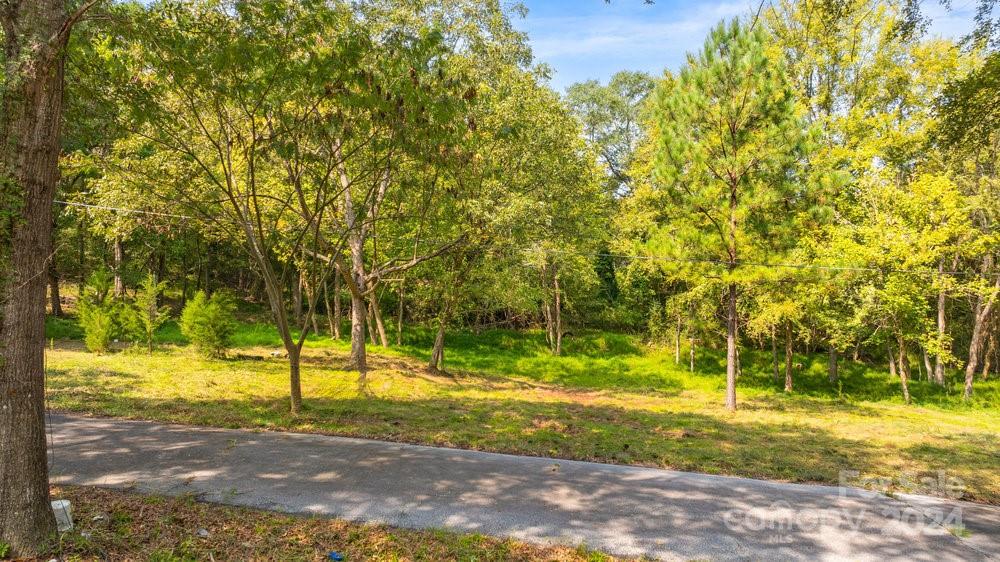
point(628, 511)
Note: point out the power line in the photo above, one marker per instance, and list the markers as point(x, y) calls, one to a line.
point(630, 257)
point(122, 210)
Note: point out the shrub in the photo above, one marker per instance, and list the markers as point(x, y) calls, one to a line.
point(209, 323)
point(148, 316)
point(656, 323)
point(98, 314)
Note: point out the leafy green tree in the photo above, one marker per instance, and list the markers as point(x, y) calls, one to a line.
point(612, 121)
point(731, 144)
point(967, 130)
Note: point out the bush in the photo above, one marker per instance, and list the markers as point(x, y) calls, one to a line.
point(98, 314)
point(209, 323)
point(99, 325)
point(148, 316)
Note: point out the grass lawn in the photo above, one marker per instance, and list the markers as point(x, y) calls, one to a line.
point(114, 525)
point(608, 399)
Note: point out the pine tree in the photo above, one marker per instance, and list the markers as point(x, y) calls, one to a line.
point(730, 145)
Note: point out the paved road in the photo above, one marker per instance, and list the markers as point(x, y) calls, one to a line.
point(622, 510)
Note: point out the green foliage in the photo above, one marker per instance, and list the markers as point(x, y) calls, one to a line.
point(63, 328)
point(99, 315)
point(612, 121)
point(509, 394)
point(209, 322)
point(4, 550)
point(149, 314)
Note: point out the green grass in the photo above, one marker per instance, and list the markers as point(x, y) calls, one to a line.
point(608, 399)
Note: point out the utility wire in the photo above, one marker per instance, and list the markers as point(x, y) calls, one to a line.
point(629, 257)
point(121, 210)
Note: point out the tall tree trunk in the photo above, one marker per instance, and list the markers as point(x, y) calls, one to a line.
point(338, 307)
point(161, 272)
point(297, 299)
point(892, 359)
point(437, 352)
point(34, 37)
point(358, 315)
point(54, 289)
point(399, 312)
point(927, 364)
point(691, 352)
point(983, 310)
point(557, 312)
point(739, 359)
point(904, 368)
point(82, 255)
point(371, 324)
point(328, 310)
point(377, 315)
point(774, 358)
point(987, 357)
point(941, 328)
point(295, 379)
point(789, 356)
point(731, 349)
point(119, 252)
point(312, 316)
point(832, 370)
point(677, 342)
point(206, 270)
point(184, 278)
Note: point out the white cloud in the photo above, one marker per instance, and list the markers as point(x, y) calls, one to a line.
point(579, 35)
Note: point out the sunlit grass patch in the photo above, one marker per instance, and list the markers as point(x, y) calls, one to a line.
point(505, 392)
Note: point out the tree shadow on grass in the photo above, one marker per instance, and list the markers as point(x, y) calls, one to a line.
point(632, 511)
point(560, 429)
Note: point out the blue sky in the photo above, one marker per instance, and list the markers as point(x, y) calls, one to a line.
point(584, 39)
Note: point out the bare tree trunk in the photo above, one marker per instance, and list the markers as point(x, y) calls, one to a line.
point(677, 342)
point(54, 289)
point(904, 368)
point(399, 313)
point(941, 328)
point(297, 299)
point(338, 311)
point(731, 349)
point(739, 359)
point(377, 314)
point(31, 97)
point(371, 325)
point(327, 309)
point(788, 357)
point(983, 310)
point(161, 273)
point(119, 248)
point(206, 264)
point(832, 370)
point(987, 357)
point(358, 316)
point(774, 359)
point(557, 312)
point(437, 353)
point(927, 364)
point(82, 256)
point(691, 352)
point(892, 359)
point(310, 297)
